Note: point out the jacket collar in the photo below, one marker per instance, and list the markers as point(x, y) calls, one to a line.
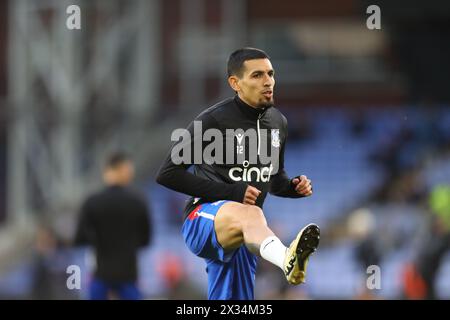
point(249, 111)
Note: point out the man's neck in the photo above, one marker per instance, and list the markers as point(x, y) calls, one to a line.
point(246, 102)
point(116, 184)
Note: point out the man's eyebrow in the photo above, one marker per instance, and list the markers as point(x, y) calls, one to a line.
point(262, 71)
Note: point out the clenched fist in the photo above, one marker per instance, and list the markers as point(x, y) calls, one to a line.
point(303, 186)
point(251, 194)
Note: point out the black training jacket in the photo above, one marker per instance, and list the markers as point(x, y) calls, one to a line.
point(216, 181)
point(116, 222)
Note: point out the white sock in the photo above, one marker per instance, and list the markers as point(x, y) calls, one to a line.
point(273, 250)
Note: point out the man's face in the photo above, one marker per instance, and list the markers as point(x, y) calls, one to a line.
point(122, 174)
point(126, 172)
point(255, 87)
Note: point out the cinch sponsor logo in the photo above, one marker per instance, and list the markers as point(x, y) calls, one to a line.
point(250, 174)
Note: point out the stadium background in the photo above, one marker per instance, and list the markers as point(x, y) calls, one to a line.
point(369, 123)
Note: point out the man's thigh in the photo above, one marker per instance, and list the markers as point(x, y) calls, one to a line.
point(228, 225)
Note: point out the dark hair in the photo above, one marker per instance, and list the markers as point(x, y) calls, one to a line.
point(116, 158)
point(238, 57)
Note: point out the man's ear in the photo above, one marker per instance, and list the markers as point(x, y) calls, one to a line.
point(233, 82)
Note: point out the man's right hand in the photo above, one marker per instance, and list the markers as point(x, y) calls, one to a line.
point(251, 194)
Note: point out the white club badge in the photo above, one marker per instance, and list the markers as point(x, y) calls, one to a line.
point(275, 138)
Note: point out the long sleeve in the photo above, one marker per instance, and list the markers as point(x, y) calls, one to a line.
point(84, 234)
point(178, 178)
point(145, 225)
point(281, 185)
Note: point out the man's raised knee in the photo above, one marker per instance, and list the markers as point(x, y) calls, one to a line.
point(254, 210)
point(253, 214)
point(237, 214)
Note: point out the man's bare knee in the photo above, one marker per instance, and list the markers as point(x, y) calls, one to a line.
point(254, 210)
point(233, 219)
point(253, 215)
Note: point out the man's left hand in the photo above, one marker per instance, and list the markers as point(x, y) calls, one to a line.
point(303, 186)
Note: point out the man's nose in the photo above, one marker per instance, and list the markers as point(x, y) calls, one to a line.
point(268, 81)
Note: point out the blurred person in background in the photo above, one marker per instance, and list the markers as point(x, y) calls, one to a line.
point(419, 277)
point(362, 229)
point(223, 221)
point(49, 263)
point(116, 223)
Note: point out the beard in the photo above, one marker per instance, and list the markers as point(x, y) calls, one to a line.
point(266, 104)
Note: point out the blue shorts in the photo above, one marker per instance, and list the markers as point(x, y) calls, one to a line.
point(231, 274)
point(99, 290)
